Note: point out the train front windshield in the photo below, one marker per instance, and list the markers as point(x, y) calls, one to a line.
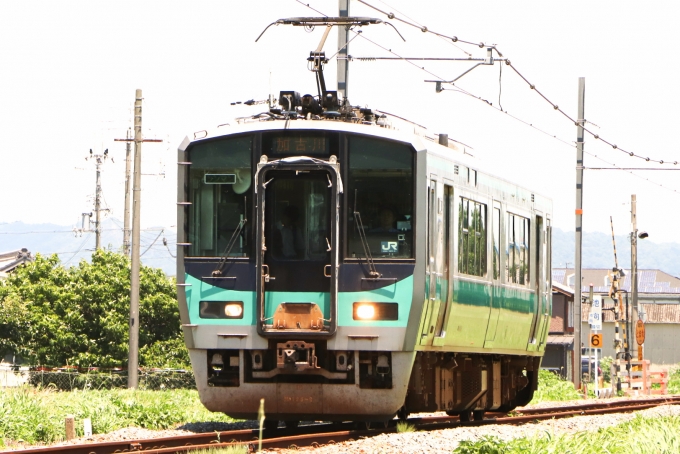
point(378, 179)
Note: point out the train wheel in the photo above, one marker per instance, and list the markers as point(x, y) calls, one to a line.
point(271, 424)
point(403, 413)
point(478, 415)
point(291, 424)
point(465, 416)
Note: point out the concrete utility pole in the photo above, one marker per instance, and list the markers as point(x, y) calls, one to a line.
point(126, 216)
point(128, 187)
point(579, 230)
point(133, 356)
point(99, 160)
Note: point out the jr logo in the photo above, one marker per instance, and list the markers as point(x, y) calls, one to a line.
point(388, 246)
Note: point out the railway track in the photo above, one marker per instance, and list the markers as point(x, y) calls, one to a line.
point(321, 434)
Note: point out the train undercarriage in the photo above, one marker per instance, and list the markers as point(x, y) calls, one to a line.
point(303, 381)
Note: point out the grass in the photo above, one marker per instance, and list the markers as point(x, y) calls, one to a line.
point(403, 426)
point(551, 387)
point(238, 449)
point(640, 435)
point(35, 416)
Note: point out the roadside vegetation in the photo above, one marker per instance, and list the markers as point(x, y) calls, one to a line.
point(640, 435)
point(37, 416)
point(52, 315)
point(552, 387)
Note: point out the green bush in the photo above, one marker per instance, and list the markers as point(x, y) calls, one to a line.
point(53, 315)
point(606, 366)
point(674, 380)
point(552, 387)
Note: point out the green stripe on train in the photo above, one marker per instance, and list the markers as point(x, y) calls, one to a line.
point(400, 292)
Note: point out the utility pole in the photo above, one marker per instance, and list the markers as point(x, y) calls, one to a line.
point(579, 230)
point(99, 160)
point(128, 187)
point(343, 62)
point(126, 216)
point(633, 259)
point(133, 355)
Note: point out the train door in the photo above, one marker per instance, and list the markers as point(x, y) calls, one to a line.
point(547, 283)
point(496, 267)
point(298, 259)
point(446, 268)
point(434, 250)
point(538, 281)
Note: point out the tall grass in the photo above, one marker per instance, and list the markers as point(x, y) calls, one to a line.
point(551, 387)
point(35, 416)
point(640, 435)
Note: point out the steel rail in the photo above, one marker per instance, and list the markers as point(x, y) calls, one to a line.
point(306, 436)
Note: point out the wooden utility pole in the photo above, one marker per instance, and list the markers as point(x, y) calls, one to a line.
point(579, 231)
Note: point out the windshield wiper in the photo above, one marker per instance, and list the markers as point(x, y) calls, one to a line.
point(372, 272)
point(232, 241)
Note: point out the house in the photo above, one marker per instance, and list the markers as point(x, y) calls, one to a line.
point(659, 309)
point(12, 259)
point(559, 351)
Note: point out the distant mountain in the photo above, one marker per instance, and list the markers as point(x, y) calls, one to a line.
point(48, 239)
point(598, 252)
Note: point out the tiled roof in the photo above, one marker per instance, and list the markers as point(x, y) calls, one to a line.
point(12, 259)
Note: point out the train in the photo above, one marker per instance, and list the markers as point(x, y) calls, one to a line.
point(345, 264)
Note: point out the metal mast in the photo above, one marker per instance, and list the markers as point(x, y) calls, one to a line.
point(126, 219)
point(579, 231)
point(343, 62)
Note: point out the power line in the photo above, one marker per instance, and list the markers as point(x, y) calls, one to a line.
point(424, 29)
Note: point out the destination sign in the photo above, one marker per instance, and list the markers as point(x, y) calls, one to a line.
point(300, 145)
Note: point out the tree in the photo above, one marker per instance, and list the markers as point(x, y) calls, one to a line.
point(54, 315)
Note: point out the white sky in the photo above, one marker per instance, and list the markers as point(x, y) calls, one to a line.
point(69, 71)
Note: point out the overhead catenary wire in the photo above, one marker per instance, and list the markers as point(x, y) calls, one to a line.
point(425, 29)
point(488, 103)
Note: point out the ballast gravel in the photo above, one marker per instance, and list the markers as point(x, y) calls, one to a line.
point(436, 441)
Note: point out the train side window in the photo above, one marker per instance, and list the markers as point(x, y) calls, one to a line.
point(496, 243)
point(472, 237)
point(517, 264)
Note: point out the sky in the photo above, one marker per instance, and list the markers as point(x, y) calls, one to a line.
point(69, 71)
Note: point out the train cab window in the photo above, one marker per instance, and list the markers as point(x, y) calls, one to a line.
point(380, 185)
point(472, 237)
point(517, 254)
point(219, 191)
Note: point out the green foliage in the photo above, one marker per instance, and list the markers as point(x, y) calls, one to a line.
point(640, 435)
point(403, 426)
point(38, 415)
point(605, 365)
point(674, 380)
point(552, 387)
point(237, 449)
point(79, 316)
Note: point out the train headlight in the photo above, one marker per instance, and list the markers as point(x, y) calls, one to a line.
point(365, 312)
point(233, 310)
point(375, 311)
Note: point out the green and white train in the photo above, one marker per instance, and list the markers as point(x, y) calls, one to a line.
point(344, 269)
